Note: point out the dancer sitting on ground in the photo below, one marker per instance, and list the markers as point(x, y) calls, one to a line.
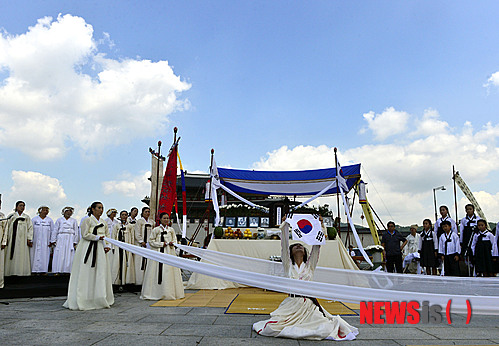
point(302, 317)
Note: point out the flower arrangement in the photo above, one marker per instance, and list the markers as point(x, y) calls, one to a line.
point(374, 248)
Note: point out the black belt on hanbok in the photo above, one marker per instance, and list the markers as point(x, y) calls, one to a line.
point(93, 246)
point(144, 260)
point(121, 237)
point(160, 269)
point(14, 234)
point(314, 300)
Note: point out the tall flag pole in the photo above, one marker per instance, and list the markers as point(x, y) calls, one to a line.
point(169, 188)
point(156, 178)
point(184, 200)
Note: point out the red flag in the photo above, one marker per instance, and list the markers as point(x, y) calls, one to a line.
point(168, 194)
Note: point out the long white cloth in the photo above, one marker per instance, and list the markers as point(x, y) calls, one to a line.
point(481, 304)
point(360, 278)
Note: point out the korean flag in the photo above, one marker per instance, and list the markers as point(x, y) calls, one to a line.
point(307, 228)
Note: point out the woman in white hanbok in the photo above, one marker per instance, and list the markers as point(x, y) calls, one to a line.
point(123, 269)
point(43, 226)
point(143, 229)
point(19, 233)
point(300, 317)
point(65, 238)
point(90, 283)
point(162, 281)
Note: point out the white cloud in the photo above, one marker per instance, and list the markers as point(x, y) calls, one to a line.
point(493, 80)
point(60, 91)
point(389, 123)
point(35, 189)
point(129, 185)
point(402, 175)
point(487, 201)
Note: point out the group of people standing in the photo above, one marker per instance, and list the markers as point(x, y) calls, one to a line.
point(27, 244)
point(82, 250)
point(445, 244)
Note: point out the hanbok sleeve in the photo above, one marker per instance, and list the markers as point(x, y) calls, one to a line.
point(420, 243)
point(441, 247)
point(138, 231)
point(3, 233)
point(314, 254)
point(461, 231)
point(107, 234)
point(30, 229)
point(52, 227)
point(171, 236)
point(453, 226)
point(494, 250)
point(285, 247)
point(53, 234)
point(473, 243)
point(153, 239)
point(435, 240)
point(87, 229)
point(457, 245)
point(76, 237)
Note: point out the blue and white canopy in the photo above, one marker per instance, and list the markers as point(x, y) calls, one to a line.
point(300, 183)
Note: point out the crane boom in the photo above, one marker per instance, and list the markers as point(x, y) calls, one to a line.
point(467, 192)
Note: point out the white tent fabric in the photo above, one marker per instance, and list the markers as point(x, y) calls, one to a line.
point(481, 304)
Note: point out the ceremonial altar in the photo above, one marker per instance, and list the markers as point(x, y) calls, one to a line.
point(333, 255)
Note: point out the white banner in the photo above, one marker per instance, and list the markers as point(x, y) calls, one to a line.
point(307, 228)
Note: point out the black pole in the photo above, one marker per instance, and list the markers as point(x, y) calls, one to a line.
point(338, 188)
point(157, 181)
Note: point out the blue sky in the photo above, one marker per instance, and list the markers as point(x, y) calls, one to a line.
point(256, 76)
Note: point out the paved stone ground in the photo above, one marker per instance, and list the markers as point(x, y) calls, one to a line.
point(131, 321)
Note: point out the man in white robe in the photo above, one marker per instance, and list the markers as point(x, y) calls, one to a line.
point(19, 240)
point(111, 219)
point(43, 227)
point(65, 237)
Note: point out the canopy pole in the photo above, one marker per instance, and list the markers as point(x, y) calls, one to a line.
point(210, 197)
point(337, 187)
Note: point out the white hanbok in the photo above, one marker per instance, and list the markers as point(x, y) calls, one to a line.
point(412, 244)
point(3, 241)
point(65, 235)
point(299, 317)
point(90, 283)
point(40, 252)
point(162, 281)
point(17, 260)
point(112, 223)
point(143, 229)
point(123, 268)
point(436, 226)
